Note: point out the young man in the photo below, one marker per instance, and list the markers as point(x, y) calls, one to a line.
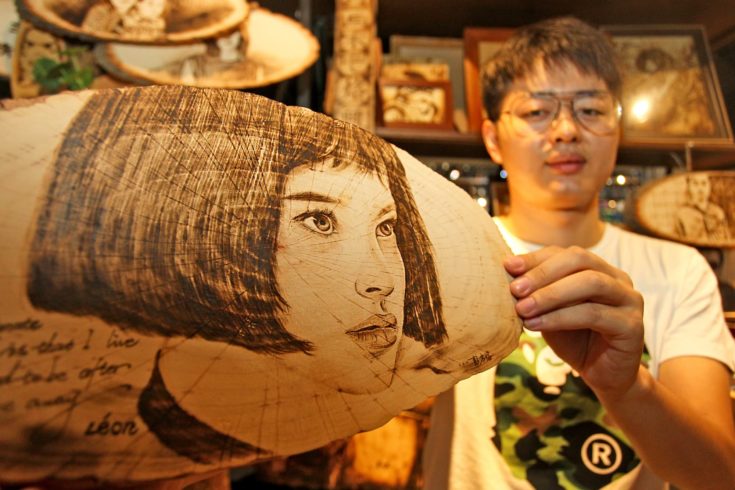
point(579, 404)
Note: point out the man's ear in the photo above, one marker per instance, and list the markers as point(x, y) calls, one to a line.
point(490, 138)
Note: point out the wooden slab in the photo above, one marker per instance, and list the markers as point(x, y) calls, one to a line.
point(697, 208)
point(182, 21)
point(8, 25)
point(198, 279)
point(278, 48)
point(32, 44)
point(351, 84)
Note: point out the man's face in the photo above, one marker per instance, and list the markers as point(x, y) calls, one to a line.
point(562, 167)
point(699, 189)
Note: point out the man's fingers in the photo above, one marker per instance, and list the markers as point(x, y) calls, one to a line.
point(609, 322)
point(548, 265)
point(581, 287)
point(518, 264)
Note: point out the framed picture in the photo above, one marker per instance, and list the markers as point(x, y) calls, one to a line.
point(671, 93)
point(393, 68)
point(415, 104)
point(480, 44)
point(450, 51)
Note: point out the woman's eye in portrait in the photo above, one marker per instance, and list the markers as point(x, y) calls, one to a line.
point(386, 228)
point(321, 222)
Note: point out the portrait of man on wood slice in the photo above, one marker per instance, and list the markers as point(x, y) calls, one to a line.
point(197, 279)
point(690, 207)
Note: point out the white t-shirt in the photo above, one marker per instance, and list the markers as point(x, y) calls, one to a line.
point(682, 317)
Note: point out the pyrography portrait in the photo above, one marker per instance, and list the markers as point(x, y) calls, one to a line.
point(227, 230)
point(208, 278)
point(690, 207)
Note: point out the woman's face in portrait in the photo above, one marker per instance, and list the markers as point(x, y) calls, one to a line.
point(341, 274)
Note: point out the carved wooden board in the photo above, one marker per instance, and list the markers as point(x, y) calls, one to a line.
point(195, 279)
point(276, 48)
point(32, 44)
point(697, 208)
point(8, 28)
point(354, 69)
point(136, 21)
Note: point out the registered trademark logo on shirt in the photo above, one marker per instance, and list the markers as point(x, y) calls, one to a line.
point(601, 454)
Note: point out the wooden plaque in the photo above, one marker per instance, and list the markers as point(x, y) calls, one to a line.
point(136, 21)
point(697, 208)
point(275, 48)
point(199, 279)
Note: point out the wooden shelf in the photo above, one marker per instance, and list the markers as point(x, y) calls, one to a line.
point(704, 156)
point(453, 144)
point(435, 143)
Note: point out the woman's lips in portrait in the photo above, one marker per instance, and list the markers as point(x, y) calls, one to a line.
point(376, 334)
point(566, 164)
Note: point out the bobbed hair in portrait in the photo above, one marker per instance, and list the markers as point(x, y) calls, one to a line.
point(162, 215)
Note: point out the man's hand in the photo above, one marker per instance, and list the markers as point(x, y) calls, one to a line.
point(587, 311)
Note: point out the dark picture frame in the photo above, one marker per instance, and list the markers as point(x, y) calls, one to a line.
point(671, 93)
point(480, 44)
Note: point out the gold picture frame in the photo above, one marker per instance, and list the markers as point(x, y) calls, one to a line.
point(671, 93)
point(419, 104)
point(480, 44)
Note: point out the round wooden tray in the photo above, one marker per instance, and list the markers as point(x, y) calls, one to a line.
point(279, 48)
point(185, 20)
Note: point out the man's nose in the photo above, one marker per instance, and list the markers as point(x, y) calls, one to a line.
point(565, 127)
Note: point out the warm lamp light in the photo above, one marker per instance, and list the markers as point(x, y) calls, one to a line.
point(641, 108)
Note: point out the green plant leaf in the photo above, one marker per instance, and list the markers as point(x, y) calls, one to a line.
point(41, 69)
point(79, 79)
point(54, 76)
point(46, 73)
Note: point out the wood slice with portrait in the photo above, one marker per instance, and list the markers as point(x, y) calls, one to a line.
point(31, 45)
point(696, 208)
point(273, 48)
point(9, 22)
point(197, 279)
point(135, 21)
point(63, 60)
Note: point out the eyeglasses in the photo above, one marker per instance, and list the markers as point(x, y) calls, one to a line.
point(597, 111)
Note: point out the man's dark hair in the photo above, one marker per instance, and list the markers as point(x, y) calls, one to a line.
point(554, 42)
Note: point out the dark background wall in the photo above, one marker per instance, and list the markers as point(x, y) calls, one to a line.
point(448, 18)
